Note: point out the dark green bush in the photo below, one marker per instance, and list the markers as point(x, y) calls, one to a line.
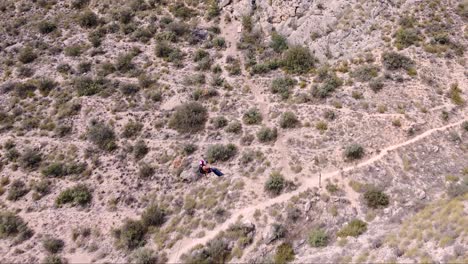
point(354, 228)
point(318, 238)
point(252, 116)
point(330, 81)
point(53, 245)
point(288, 120)
point(53, 259)
point(124, 62)
point(88, 19)
point(366, 72)
point(132, 129)
point(284, 254)
point(131, 235)
point(213, 9)
point(46, 27)
point(298, 60)
point(145, 171)
point(140, 150)
point(27, 55)
point(12, 225)
point(78, 195)
point(282, 86)
point(220, 122)
point(180, 10)
point(129, 89)
point(266, 134)
point(46, 85)
point(375, 198)
point(168, 53)
point(190, 148)
point(30, 159)
point(465, 125)
point(275, 183)
point(86, 86)
point(78, 4)
point(153, 216)
point(354, 151)
point(219, 152)
point(278, 43)
point(405, 37)
point(102, 136)
point(395, 61)
point(60, 169)
point(17, 190)
point(200, 54)
point(144, 256)
point(216, 251)
point(189, 118)
point(234, 127)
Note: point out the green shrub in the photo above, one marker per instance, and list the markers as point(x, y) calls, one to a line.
point(12, 225)
point(278, 43)
point(354, 228)
point(153, 216)
point(53, 245)
point(74, 50)
point(46, 27)
point(216, 251)
point(60, 169)
point(200, 54)
point(376, 85)
point(144, 256)
point(25, 90)
point(129, 89)
point(180, 10)
point(455, 95)
point(252, 116)
point(213, 9)
point(190, 148)
point(465, 125)
point(282, 86)
point(27, 55)
point(405, 37)
point(30, 159)
point(354, 152)
point(78, 4)
point(284, 254)
point(330, 81)
point(102, 136)
point(275, 183)
point(145, 171)
point(46, 85)
point(53, 259)
point(365, 73)
point(395, 61)
point(219, 152)
point(288, 120)
point(86, 86)
point(266, 134)
point(318, 238)
point(132, 129)
point(78, 195)
point(298, 60)
point(17, 190)
point(247, 23)
point(234, 127)
point(41, 188)
point(189, 118)
point(88, 19)
point(140, 150)
point(124, 62)
point(220, 122)
point(168, 53)
point(219, 43)
point(375, 198)
point(131, 235)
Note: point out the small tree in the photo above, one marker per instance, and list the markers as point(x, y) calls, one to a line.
point(275, 183)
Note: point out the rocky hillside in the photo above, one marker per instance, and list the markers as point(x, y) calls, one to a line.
point(341, 128)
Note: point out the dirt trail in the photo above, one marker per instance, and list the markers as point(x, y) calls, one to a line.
point(247, 212)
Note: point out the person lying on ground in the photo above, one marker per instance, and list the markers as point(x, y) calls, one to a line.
point(204, 169)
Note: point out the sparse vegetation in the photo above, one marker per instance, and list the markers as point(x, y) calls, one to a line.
point(78, 195)
point(284, 253)
point(318, 238)
point(252, 117)
point(266, 134)
point(354, 152)
point(288, 120)
point(101, 135)
point(375, 198)
point(298, 60)
point(282, 86)
point(354, 228)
